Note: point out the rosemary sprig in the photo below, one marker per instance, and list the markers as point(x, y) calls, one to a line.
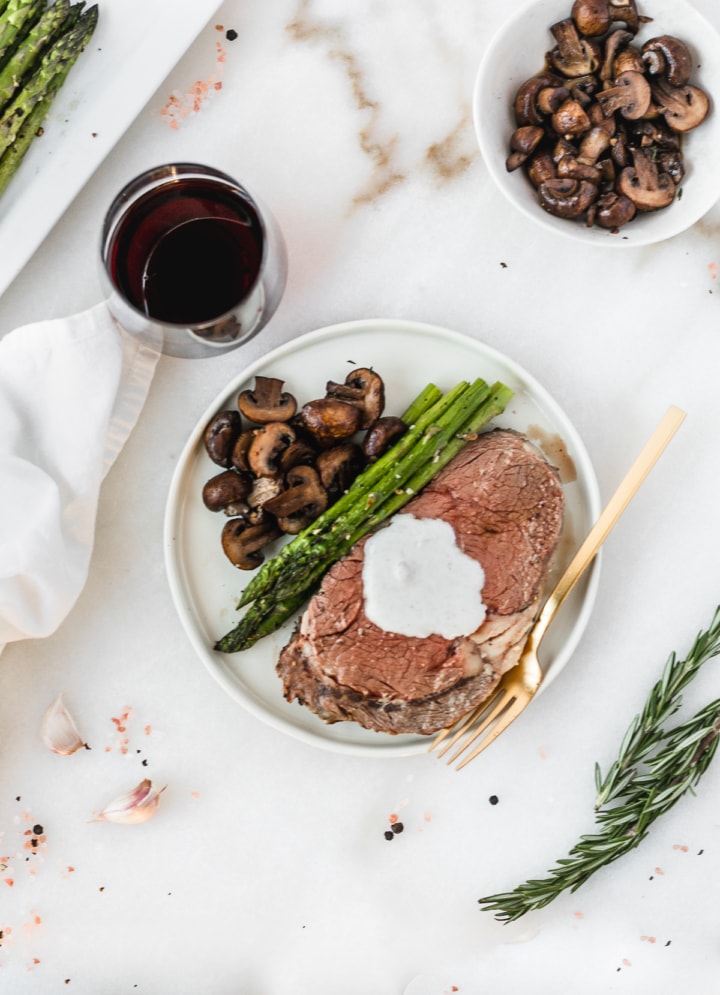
point(646, 730)
point(654, 769)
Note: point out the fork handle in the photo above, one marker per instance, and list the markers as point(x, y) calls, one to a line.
point(617, 504)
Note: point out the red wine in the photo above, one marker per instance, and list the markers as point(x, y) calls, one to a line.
point(187, 252)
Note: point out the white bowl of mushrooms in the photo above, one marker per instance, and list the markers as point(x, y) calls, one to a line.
point(600, 119)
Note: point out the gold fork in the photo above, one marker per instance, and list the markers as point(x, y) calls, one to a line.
point(519, 685)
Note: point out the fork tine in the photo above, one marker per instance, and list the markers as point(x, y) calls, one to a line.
point(502, 702)
point(463, 724)
point(515, 707)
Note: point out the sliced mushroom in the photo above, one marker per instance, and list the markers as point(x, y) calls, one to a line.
point(550, 98)
point(267, 402)
point(655, 133)
point(630, 95)
point(239, 455)
point(243, 543)
point(338, 467)
point(523, 143)
point(583, 88)
point(572, 166)
point(683, 107)
point(363, 388)
point(220, 437)
point(628, 58)
point(566, 198)
point(613, 210)
point(644, 185)
point(669, 57)
point(614, 44)
point(541, 167)
point(264, 489)
point(620, 149)
point(226, 488)
point(267, 447)
point(301, 502)
point(381, 435)
point(594, 17)
point(330, 420)
point(598, 120)
point(562, 148)
point(670, 161)
point(298, 452)
point(607, 174)
point(525, 106)
point(570, 119)
point(593, 145)
point(573, 55)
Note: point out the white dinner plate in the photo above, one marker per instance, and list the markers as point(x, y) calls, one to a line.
point(205, 586)
point(133, 48)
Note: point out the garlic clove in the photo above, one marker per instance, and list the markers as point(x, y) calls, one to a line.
point(58, 729)
point(136, 806)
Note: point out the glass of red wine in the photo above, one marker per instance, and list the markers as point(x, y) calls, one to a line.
point(191, 262)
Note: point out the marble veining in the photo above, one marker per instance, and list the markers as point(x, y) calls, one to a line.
point(385, 132)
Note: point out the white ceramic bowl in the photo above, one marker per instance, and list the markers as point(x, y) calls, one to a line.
point(518, 52)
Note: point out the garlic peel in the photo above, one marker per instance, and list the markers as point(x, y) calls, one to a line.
point(58, 730)
point(136, 806)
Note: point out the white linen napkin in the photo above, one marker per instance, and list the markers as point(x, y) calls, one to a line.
point(71, 390)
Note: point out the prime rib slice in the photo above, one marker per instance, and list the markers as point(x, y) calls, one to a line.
point(505, 503)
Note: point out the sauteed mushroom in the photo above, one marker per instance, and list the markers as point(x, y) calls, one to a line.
point(594, 17)
point(364, 389)
point(614, 45)
point(243, 544)
point(630, 95)
point(683, 107)
point(298, 452)
point(644, 185)
point(526, 108)
point(381, 435)
point(602, 97)
point(613, 210)
point(550, 98)
point(339, 466)
point(668, 57)
point(220, 436)
point(239, 455)
point(301, 502)
point(279, 476)
point(267, 447)
point(267, 402)
point(570, 119)
point(264, 489)
point(573, 54)
point(330, 420)
point(567, 198)
point(523, 143)
point(226, 488)
point(541, 167)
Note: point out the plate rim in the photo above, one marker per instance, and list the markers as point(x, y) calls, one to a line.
point(392, 746)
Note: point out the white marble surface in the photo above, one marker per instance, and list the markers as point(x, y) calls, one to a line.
point(266, 871)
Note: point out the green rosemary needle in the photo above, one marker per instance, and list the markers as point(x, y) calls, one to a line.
point(655, 767)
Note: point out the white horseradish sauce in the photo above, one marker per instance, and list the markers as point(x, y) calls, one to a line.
point(418, 582)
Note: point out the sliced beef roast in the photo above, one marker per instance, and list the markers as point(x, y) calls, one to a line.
point(505, 503)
